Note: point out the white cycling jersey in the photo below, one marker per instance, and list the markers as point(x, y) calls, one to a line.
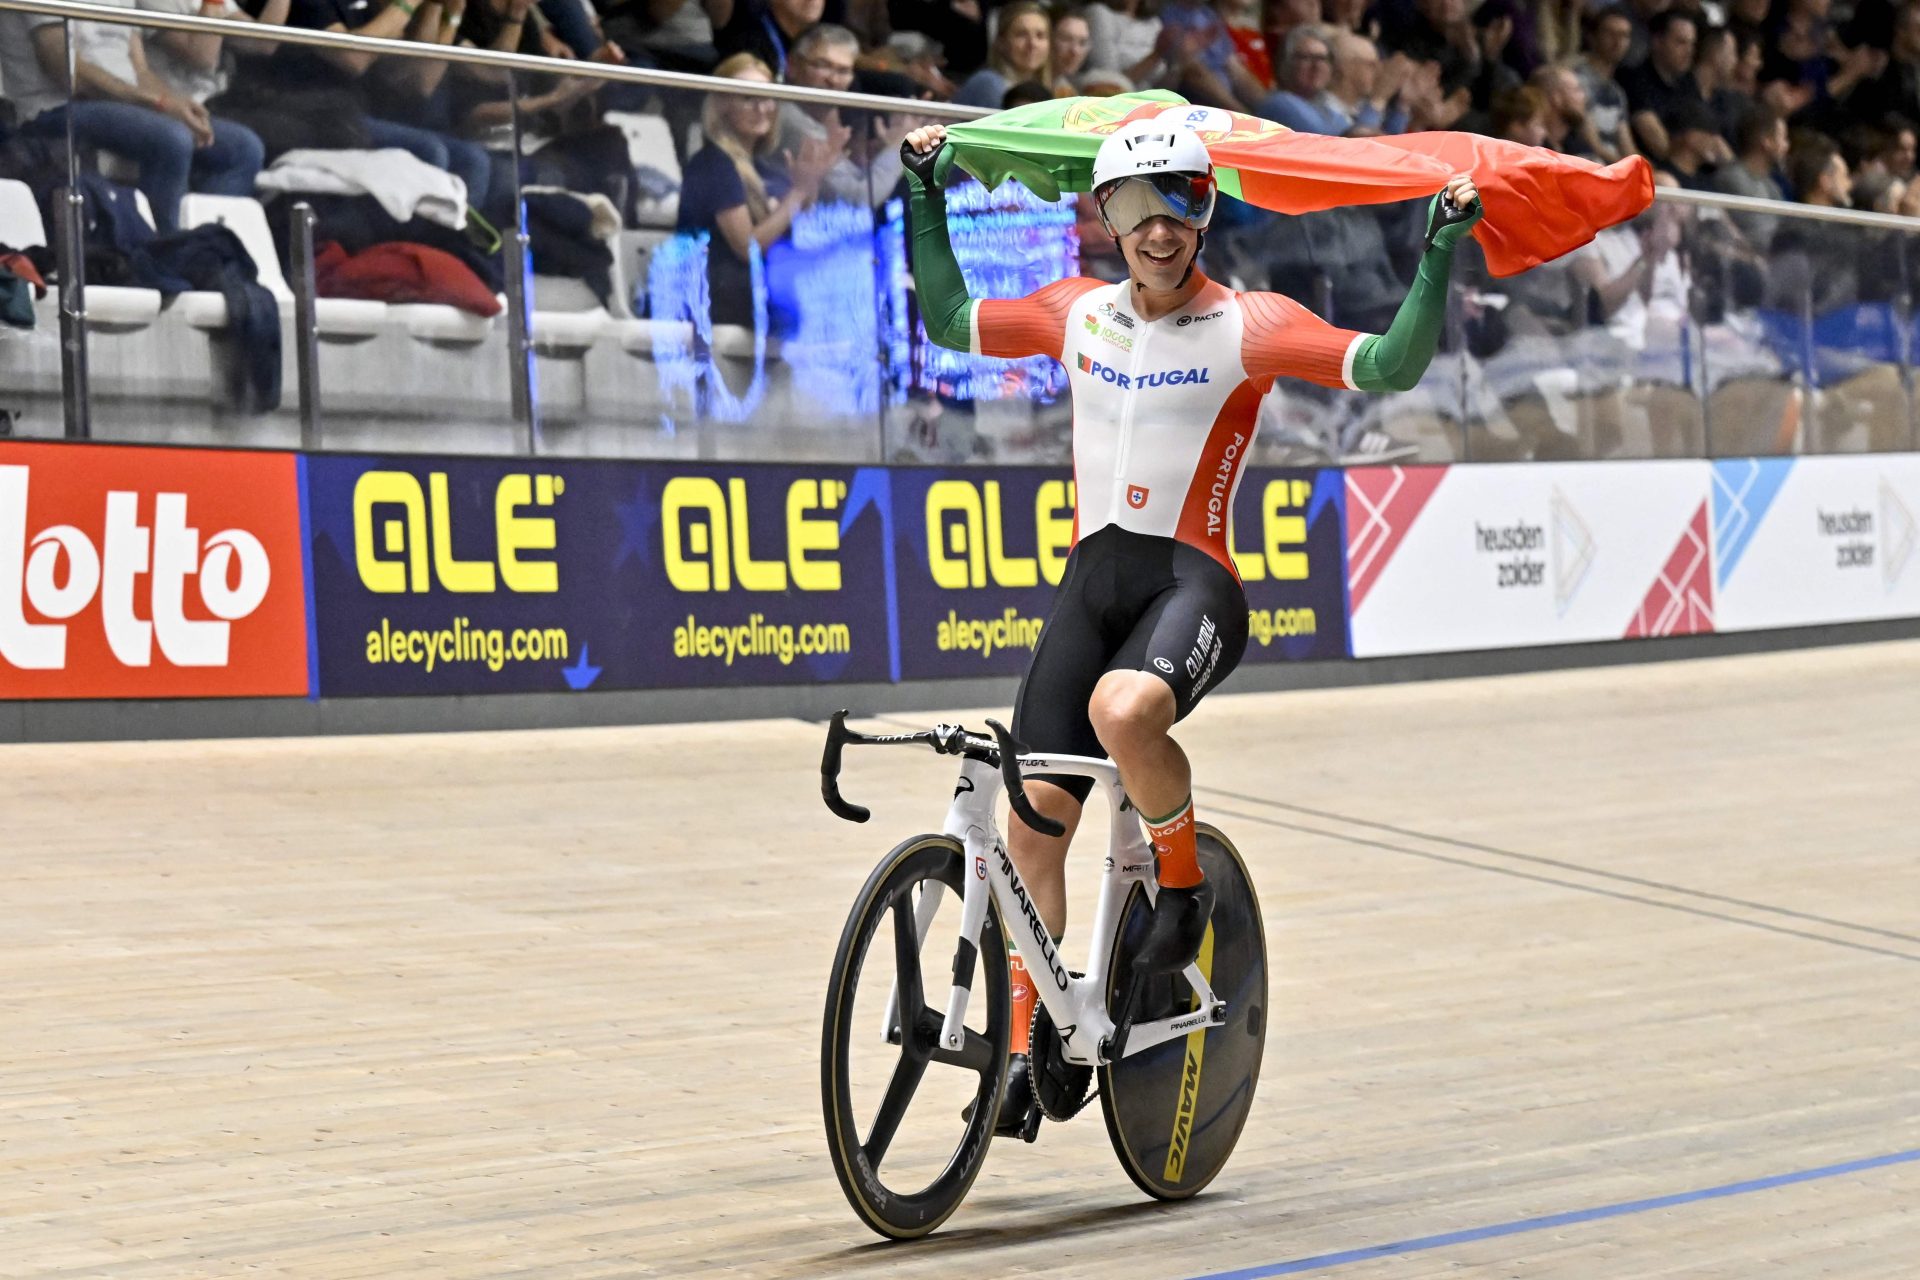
point(1164, 410)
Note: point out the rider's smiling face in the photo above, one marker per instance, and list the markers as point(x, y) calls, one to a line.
point(1158, 251)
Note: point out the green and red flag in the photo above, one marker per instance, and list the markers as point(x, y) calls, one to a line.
point(1540, 204)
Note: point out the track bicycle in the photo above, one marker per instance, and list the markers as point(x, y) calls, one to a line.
point(1177, 1055)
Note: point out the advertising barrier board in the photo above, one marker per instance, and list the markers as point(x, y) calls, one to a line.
point(150, 573)
point(1489, 557)
point(1802, 541)
point(980, 553)
point(494, 575)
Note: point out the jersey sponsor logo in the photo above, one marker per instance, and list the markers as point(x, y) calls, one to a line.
point(1184, 321)
point(1136, 496)
point(1116, 315)
point(1106, 333)
point(1158, 378)
point(1222, 486)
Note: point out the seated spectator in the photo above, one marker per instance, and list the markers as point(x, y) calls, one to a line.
point(1818, 173)
point(1761, 148)
point(197, 66)
point(1206, 66)
point(1020, 52)
point(1302, 102)
point(823, 58)
point(1608, 33)
point(1521, 115)
point(1025, 94)
point(1357, 16)
point(920, 58)
point(310, 97)
point(1716, 70)
point(1810, 66)
point(733, 189)
point(1124, 36)
point(676, 35)
point(1438, 32)
point(1569, 126)
point(1244, 21)
point(767, 28)
point(1657, 86)
point(1880, 192)
point(118, 105)
point(1695, 148)
point(1069, 41)
point(1365, 88)
point(1896, 88)
point(958, 25)
point(1494, 23)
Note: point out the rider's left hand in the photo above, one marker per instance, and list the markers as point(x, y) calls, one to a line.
point(1454, 212)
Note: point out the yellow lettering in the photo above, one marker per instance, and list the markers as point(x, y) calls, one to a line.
point(474, 576)
point(815, 533)
point(1252, 566)
point(1053, 530)
point(1284, 530)
point(1008, 571)
point(707, 536)
point(754, 575)
point(517, 533)
point(390, 488)
point(956, 553)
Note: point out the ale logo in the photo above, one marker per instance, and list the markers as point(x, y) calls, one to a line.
point(60, 571)
point(1136, 496)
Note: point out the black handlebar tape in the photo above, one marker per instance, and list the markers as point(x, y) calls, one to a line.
point(837, 737)
point(1016, 788)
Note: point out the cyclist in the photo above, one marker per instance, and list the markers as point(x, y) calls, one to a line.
point(1167, 369)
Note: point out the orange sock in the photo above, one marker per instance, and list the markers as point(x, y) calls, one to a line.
point(1022, 986)
point(1174, 846)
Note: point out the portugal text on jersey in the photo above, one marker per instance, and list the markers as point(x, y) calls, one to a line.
point(1164, 410)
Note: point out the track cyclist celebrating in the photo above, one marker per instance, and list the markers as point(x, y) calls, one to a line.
point(1167, 369)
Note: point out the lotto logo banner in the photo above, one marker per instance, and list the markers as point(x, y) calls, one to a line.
point(980, 553)
point(1803, 541)
point(488, 575)
point(150, 573)
point(1288, 542)
point(1492, 557)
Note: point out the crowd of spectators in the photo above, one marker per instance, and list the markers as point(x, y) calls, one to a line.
point(1806, 100)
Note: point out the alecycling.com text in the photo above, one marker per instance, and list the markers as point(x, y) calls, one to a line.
point(758, 638)
point(464, 642)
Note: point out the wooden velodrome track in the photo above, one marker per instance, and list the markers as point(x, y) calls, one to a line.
point(1634, 951)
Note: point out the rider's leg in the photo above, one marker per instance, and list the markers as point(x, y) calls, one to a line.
point(1042, 860)
point(1133, 712)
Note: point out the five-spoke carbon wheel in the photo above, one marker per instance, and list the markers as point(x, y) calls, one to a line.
point(908, 1119)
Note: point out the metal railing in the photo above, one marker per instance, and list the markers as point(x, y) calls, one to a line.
point(526, 403)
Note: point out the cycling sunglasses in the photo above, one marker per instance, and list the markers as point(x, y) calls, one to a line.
point(1187, 198)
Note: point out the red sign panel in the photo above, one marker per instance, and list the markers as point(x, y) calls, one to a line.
point(150, 573)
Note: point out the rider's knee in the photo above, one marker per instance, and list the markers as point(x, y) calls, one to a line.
point(1130, 711)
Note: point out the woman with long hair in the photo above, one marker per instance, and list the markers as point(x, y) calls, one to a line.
point(738, 191)
point(1020, 52)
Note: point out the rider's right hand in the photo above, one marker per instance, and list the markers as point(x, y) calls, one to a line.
point(920, 152)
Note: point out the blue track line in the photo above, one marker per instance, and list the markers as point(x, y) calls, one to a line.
point(1559, 1219)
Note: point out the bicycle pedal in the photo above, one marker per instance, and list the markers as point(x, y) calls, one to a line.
point(1060, 1088)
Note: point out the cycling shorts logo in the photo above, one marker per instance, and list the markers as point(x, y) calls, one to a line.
point(1184, 321)
point(1136, 496)
point(1164, 665)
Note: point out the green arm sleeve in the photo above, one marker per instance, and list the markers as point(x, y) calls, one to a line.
point(937, 283)
point(1396, 359)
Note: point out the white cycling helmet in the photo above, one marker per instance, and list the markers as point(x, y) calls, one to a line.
point(1151, 169)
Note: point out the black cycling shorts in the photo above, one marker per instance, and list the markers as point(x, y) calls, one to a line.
point(1128, 602)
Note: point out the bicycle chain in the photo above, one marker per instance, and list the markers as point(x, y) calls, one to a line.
point(1069, 1083)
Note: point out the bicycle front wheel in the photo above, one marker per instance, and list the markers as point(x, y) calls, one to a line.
point(1175, 1111)
point(908, 1119)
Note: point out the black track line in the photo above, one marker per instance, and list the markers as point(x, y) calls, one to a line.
point(1560, 865)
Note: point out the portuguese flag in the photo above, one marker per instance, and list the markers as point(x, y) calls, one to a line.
point(1540, 204)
